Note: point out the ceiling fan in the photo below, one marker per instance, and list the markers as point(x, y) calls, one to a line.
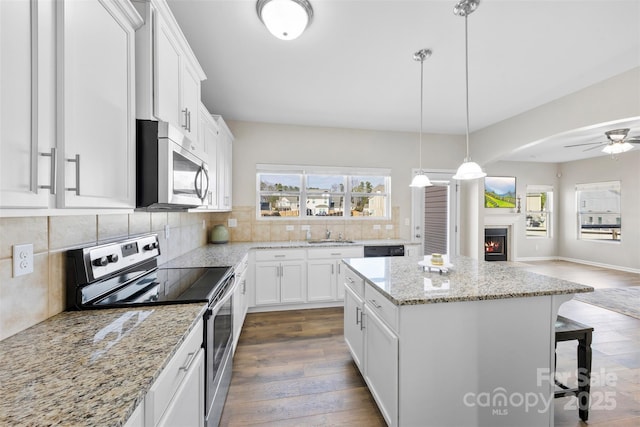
point(617, 142)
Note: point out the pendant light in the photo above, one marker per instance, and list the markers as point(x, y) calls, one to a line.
point(285, 19)
point(421, 179)
point(468, 169)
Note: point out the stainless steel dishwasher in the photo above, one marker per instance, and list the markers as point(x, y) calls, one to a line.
point(383, 250)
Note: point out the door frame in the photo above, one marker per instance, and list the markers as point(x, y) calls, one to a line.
point(436, 176)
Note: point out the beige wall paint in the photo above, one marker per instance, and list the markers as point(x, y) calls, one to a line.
point(626, 169)
point(305, 145)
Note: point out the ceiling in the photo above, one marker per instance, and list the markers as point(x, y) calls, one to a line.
point(353, 67)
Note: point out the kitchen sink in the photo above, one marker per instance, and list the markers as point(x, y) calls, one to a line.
point(317, 241)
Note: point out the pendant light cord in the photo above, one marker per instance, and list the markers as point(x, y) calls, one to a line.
point(421, 93)
point(466, 77)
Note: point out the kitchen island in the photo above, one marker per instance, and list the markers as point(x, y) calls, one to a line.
point(473, 346)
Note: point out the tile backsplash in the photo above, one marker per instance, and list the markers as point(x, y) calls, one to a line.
point(30, 299)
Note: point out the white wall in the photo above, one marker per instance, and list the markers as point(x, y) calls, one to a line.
point(626, 169)
point(305, 145)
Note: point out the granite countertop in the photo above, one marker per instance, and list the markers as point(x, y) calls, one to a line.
point(230, 254)
point(89, 368)
point(403, 281)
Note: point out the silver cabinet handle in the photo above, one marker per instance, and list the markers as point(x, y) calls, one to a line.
point(375, 303)
point(244, 286)
point(357, 315)
point(279, 256)
point(54, 171)
point(332, 270)
point(186, 120)
point(361, 320)
point(77, 162)
point(186, 367)
point(350, 280)
point(336, 253)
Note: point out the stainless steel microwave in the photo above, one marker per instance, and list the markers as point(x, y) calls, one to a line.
point(168, 175)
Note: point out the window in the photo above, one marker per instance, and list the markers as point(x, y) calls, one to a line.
point(539, 205)
point(322, 192)
point(599, 215)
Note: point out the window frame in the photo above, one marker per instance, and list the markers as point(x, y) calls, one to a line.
point(346, 174)
point(547, 210)
point(581, 211)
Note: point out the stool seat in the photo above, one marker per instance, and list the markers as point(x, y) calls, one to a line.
point(567, 330)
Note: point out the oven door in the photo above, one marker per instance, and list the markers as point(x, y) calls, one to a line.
point(218, 353)
point(183, 177)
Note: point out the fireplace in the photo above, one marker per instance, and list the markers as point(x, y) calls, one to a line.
point(495, 244)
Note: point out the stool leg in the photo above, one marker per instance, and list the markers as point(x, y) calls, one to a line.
point(584, 375)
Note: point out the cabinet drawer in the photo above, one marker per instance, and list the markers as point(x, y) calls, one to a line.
point(279, 255)
point(353, 281)
point(337, 253)
point(380, 305)
point(168, 382)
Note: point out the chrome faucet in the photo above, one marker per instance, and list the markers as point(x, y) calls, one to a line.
point(328, 233)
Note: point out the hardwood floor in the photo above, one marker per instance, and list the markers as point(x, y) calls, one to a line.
point(292, 368)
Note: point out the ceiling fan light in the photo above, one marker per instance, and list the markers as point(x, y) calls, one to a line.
point(420, 180)
point(469, 170)
point(285, 19)
point(617, 148)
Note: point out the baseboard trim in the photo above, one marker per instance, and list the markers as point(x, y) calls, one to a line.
point(602, 265)
point(302, 306)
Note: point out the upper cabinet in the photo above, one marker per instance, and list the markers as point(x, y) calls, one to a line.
point(68, 126)
point(96, 103)
point(224, 163)
point(168, 75)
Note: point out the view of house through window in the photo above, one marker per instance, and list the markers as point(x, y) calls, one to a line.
point(297, 192)
point(539, 205)
point(599, 216)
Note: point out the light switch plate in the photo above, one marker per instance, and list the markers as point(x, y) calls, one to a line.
point(388, 227)
point(232, 222)
point(22, 259)
point(376, 227)
point(289, 227)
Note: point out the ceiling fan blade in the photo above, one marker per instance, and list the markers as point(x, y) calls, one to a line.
point(597, 146)
point(585, 143)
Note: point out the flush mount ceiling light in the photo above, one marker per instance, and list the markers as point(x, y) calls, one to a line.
point(421, 179)
point(285, 19)
point(468, 169)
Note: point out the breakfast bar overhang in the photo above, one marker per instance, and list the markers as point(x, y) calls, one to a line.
point(469, 346)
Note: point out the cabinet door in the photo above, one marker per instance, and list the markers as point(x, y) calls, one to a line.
point(321, 280)
point(353, 330)
point(96, 107)
point(381, 366)
point(166, 76)
point(292, 282)
point(187, 406)
point(190, 103)
point(208, 135)
point(224, 170)
point(340, 289)
point(26, 62)
point(267, 287)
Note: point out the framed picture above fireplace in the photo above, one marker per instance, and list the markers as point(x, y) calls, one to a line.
point(500, 192)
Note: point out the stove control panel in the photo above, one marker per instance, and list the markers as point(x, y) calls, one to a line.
point(110, 258)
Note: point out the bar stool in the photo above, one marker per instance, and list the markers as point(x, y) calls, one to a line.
point(567, 330)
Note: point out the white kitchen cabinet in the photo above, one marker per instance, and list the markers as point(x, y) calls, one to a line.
point(280, 276)
point(224, 165)
point(240, 301)
point(324, 272)
point(381, 364)
point(68, 115)
point(168, 75)
point(27, 63)
point(137, 418)
point(353, 327)
point(208, 136)
point(96, 103)
point(177, 396)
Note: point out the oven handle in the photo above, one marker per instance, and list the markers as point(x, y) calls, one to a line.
point(227, 294)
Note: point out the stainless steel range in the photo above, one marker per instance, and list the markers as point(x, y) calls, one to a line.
point(126, 274)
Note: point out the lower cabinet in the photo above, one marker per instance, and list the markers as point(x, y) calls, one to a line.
point(177, 395)
point(324, 272)
point(372, 342)
point(279, 282)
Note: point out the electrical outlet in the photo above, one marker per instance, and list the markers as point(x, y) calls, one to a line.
point(376, 227)
point(22, 259)
point(407, 222)
point(232, 222)
point(305, 227)
point(166, 232)
point(289, 227)
point(388, 227)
